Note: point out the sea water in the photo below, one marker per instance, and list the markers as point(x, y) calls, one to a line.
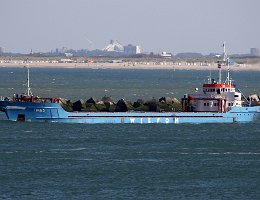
point(126, 161)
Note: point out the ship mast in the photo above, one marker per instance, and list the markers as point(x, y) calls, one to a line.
point(224, 52)
point(219, 63)
point(28, 90)
point(219, 72)
point(228, 72)
point(226, 60)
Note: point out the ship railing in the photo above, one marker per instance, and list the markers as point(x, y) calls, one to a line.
point(207, 96)
point(36, 99)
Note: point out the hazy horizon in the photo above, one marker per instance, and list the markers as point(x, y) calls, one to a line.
point(166, 25)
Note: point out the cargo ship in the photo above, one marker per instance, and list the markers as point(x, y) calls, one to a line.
point(218, 102)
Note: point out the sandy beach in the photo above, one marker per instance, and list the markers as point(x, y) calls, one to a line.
point(149, 66)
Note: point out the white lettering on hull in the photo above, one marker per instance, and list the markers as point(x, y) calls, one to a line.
point(151, 120)
point(167, 120)
point(176, 120)
point(39, 110)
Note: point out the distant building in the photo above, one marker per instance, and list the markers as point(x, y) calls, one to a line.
point(132, 50)
point(114, 46)
point(62, 50)
point(166, 55)
point(255, 52)
point(1, 50)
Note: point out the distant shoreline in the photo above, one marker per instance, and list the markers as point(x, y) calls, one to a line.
point(166, 66)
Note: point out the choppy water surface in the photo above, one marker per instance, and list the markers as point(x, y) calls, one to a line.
point(155, 161)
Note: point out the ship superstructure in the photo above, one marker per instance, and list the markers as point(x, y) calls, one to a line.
point(217, 96)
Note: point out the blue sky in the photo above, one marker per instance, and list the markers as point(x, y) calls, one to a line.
point(156, 25)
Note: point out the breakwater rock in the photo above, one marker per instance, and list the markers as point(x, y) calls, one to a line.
point(107, 104)
point(254, 99)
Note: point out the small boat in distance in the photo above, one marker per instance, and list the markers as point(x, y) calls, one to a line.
point(219, 102)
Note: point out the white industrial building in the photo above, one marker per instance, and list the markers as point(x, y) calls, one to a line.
point(114, 46)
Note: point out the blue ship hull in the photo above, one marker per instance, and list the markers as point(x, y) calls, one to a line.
point(53, 112)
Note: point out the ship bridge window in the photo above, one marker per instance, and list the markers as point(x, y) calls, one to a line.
point(218, 91)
